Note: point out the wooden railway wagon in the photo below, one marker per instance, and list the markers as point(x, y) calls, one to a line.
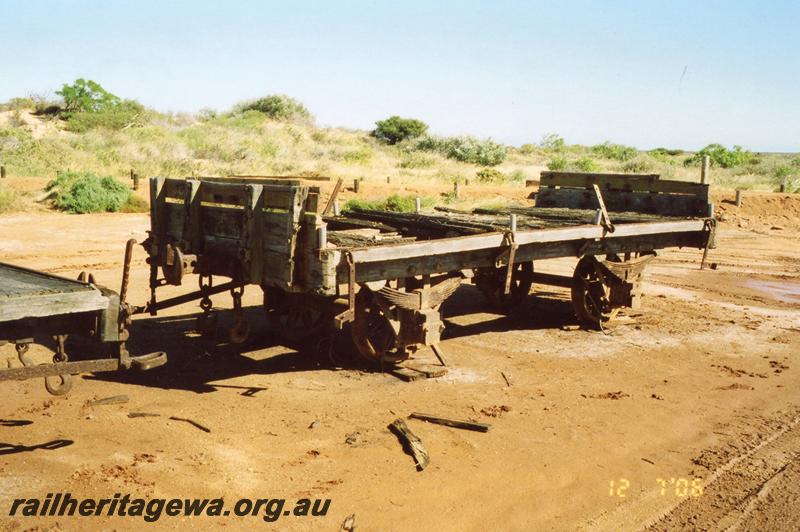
point(43, 308)
point(386, 274)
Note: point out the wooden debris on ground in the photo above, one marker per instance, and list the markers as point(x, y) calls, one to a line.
point(191, 422)
point(142, 414)
point(410, 373)
point(455, 423)
point(349, 523)
point(411, 443)
point(113, 400)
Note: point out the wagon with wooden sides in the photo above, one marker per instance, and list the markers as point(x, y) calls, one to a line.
point(384, 275)
point(37, 307)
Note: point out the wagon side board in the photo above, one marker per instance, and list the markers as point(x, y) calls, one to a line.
point(646, 193)
point(455, 254)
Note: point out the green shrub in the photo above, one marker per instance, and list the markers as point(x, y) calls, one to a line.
point(465, 149)
point(783, 171)
point(639, 165)
point(795, 162)
point(276, 107)
point(84, 192)
point(527, 149)
point(490, 175)
point(558, 164)
point(9, 200)
point(721, 156)
point(585, 164)
point(617, 152)
point(394, 203)
point(126, 114)
point(396, 129)
point(553, 142)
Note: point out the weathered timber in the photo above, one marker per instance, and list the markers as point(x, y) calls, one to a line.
point(666, 204)
point(233, 178)
point(456, 260)
point(345, 222)
point(622, 182)
point(27, 293)
point(496, 240)
point(364, 237)
point(332, 199)
point(455, 423)
point(422, 225)
point(411, 443)
point(624, 192)
point(564, 216)
point(411, 373)
point(191, 422)
point(705, 167)
point(113, 400)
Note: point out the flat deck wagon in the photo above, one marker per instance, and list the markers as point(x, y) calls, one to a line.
point(38, 307)
point(386, 274)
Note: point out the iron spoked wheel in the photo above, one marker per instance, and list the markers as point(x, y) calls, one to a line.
point(295, 322)
point(591, 293)
point(372, 334)
point(491, 282)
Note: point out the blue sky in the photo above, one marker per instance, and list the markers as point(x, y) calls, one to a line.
point(646, 73)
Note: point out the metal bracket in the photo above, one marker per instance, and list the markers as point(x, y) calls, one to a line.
point(348, 315)
point(508, 239)
point(709, 226)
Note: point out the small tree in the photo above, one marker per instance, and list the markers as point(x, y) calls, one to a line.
point(87, 105)
point(396, 129)
point(87, 96)
point(553, 142)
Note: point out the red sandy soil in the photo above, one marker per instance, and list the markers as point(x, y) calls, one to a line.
point(701, 383)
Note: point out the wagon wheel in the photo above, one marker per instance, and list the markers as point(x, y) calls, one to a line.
point(372, 333)
point(591, 292)
point(294, 322)
point(491, 282)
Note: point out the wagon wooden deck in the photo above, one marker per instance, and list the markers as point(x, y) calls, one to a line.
point(384, 275)
point(41, 307)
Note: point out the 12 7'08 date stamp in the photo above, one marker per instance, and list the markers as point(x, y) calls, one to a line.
point(677, 487)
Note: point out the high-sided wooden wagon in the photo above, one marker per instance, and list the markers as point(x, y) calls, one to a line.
point(386, 274)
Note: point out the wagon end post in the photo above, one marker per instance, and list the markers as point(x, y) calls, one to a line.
point(705, 169)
